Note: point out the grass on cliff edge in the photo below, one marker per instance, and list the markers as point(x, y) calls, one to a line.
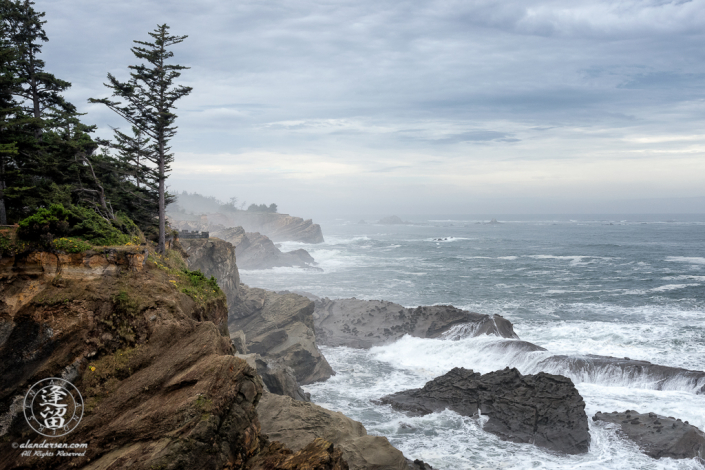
point(192, 283)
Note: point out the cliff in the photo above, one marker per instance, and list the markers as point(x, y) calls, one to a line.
point(257, 251)
point(144, 341)
point(278, 327)
point(278, 227)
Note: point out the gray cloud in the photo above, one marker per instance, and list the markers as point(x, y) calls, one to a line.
point(378, 82)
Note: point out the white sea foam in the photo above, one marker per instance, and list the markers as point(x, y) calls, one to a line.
point(448, 441)
point(686, 259)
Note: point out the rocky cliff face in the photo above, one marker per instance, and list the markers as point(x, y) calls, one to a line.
point(215, 257)
point(295, 424)
point(146, 345)
point(256, 251)
point(279, 327)
point(278, 227)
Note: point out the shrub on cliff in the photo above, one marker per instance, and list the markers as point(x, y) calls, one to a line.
point(57, 221)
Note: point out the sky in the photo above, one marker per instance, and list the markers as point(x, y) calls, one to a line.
point(438, 106)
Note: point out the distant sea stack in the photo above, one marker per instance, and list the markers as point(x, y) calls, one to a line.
point(391, 220)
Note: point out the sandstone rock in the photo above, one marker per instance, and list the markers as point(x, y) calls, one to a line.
point(280, 327)
point(215, 257)
point(277, 378)
point(256, 251)
point(542, 409)
point(658, 436)
point(160, 385)
point(239, 341)
point(366, 323)
point(317, 455)
point(278, 227)
point(296, 423)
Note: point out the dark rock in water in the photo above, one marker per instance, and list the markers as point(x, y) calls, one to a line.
point(367, 323)
point(494, 222)
point(391, 220)
point(541, 409)
point(280, 327)
point(629, 370)
point(418, 465)
point(659, 436)
point(362, 222)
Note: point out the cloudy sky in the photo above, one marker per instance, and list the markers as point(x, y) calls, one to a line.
point(440, 106)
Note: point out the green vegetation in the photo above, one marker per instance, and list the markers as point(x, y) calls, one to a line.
point(192, 283)
point(72, 245)
point(149, 98)
point(102, 376)
point(76, 229)
point(49, 160)
point(262, 208)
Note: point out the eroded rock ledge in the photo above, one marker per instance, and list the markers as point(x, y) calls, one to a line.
point(257, 251)
point(658, 436)
point(542, 409)
point(366, 323)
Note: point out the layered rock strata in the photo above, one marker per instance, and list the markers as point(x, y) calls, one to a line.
point(278, 227)
point(295, 423)
point(542, 409)
point(366, 323)
point(277, 378)
point(658, 436)
point(256, 251)
point(217, 258)
point(160, 385)
point(280, 327)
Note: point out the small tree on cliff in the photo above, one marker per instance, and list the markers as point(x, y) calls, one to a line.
point(150, 95)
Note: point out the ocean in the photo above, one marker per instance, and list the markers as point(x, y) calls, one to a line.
point(624, 286)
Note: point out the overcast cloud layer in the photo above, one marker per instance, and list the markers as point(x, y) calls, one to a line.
point(419, 106)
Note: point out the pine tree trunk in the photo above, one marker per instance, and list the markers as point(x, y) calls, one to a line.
point(162, 216)
point(3, 212)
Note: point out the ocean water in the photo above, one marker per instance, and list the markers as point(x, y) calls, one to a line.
point(624, 286)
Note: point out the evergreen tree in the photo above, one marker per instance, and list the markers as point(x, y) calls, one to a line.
point(44, 130)
point(150, 95)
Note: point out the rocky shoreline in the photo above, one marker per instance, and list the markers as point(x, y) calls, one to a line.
point(178, 374)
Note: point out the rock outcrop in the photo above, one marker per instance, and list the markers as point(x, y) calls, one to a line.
point(586, 368)
point(280, 327)
point(154, 365)
point(295, 423)
point(154, 368)
point(217, 258)
point(542, 409)
point(278, 227)
point(319, 454)
point(256, 251)
point(277, 378)
point(391, 220)
point(658, 436)
point(366, 323)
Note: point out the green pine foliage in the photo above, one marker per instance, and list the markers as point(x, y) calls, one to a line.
point(149, 98)
point(49, 160)
point(47, 225)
